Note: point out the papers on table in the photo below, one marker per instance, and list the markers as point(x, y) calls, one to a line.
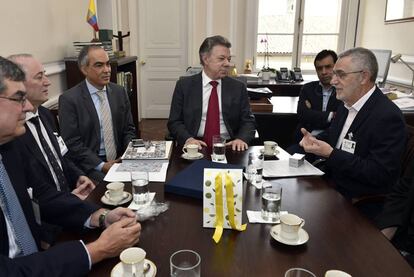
point(404, 103)
point(281, 168)
point(120, 172)
point(256, 217)
point(152, 150)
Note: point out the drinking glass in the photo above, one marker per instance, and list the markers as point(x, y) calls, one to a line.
point(271, 201)
point(185, 263)
point(299, 272)
point(219, 148)
point(140, 190)
point(255, 167)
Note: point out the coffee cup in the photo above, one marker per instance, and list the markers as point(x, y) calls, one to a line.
point(336, 273)
point(191, 150)
point(115, 191)
point(290, 225)
point(270, 147)
point(133, 261)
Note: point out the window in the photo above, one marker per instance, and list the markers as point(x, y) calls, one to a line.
point(292, 32)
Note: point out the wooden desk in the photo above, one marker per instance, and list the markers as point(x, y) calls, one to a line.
point(340, 238)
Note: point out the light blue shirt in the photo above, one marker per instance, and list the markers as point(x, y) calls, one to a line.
point(97, 103)
point(326, 94)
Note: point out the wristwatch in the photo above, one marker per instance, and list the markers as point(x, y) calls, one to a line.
point(102, 217)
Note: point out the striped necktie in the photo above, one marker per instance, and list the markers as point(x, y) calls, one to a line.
point(107, 128)
point(13, 211)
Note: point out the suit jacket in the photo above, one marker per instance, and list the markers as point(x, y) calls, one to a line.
point(64, 209)
point(79, 123)
point(32, 153)
point(313, 118)
point(380, 135)
point(186, 109)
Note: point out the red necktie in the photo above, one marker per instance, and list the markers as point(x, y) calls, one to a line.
point(213, 116)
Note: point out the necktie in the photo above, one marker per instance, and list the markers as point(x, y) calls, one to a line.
point(14, 213)
point(213, 116)
point(62, 184)
point(108, 132)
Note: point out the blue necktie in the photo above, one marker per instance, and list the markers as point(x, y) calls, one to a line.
point(14, 213)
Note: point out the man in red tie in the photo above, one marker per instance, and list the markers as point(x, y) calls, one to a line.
point(211, 103)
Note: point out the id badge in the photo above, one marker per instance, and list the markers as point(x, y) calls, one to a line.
point(348, 146)
point(62, 145)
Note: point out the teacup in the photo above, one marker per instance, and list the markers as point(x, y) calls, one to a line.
point(269, 147)
point(290, 225)
point(191, 150)
point(115, 191)
point(133, 261)
point(336, 273)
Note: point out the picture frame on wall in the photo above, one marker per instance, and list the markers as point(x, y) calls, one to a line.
point(399, 11)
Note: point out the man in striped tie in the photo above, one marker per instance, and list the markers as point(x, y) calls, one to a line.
point(19, 217)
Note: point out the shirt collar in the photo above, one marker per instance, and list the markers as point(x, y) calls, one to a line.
point(361, 102)
point(30, 115)
point(207, 80)
point(330, 89)
point(92, 89)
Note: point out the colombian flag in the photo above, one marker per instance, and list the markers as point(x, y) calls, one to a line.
point(91, 16)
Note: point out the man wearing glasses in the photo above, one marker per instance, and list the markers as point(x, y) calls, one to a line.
point(365, 142)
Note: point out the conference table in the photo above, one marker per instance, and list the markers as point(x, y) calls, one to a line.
point(339, 237)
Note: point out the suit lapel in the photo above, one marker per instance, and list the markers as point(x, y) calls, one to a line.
point(52, 136)
point(112, 104)
point(364, 112)
point(342, 114)
point(197, 89)
point(90, 109)
point(29, 140)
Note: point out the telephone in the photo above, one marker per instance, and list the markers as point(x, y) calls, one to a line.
point(282, 75)
point(296, 75)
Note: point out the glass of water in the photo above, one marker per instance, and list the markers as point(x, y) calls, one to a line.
point(255, 167)
point(219, 148)
point(271, 201)
point(185, 263)
point(140, 189)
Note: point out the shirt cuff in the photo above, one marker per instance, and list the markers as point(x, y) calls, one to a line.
point(99, 166)
point(330, 116)
point(87, 223)
point(87, 252)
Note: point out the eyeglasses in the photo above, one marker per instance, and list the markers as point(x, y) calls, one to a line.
point(342, 74)
point(22, 99)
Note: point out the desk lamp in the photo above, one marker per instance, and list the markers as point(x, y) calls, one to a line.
point(395, 59)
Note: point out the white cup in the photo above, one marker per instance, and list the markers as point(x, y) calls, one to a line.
point(191, 150)
point(269, 147)
point(133, 261)
point(115, 191)
point(290, 225)
point(336, 273)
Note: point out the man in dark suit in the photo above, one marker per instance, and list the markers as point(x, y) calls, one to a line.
point(67, 176)
point(95, 116)
point(228, 108)
point(19, 241)
point(365, 142)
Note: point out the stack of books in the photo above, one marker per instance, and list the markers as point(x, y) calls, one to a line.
point(125, 79)
point(106, 45)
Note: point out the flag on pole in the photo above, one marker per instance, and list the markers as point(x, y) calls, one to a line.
point(91, 16)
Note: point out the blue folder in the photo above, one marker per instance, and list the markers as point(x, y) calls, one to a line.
point(189, 182)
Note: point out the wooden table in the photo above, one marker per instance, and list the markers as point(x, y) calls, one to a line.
point(340, 238)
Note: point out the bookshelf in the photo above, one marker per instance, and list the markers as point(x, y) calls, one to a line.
point(123, 70)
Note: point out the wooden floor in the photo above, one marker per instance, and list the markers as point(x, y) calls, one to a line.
point(153, 129)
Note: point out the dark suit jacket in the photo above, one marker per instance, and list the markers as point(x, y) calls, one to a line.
point(186, 109)
point(31, 152)
point(380, 135)
point(64, 209)
point(79, 123)
point(314, 118)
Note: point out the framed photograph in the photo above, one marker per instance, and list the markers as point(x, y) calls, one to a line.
point(399, 11)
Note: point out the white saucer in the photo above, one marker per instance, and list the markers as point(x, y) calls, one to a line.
point(272, 154)
point(303, 236)
point(117, 271)
point(127, 198)
point(199, 156)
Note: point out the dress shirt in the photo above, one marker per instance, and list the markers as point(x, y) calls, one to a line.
point(326, 94)
point(352, 113)
point(33, 130)
point(97, 103)
point(206, 96)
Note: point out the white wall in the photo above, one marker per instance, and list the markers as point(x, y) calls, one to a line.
point(375, 34)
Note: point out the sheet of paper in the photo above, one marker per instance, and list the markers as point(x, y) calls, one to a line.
point(115, 175)
point(134, 206)
point(281, 168)
point(406, 103)
point(256, 217)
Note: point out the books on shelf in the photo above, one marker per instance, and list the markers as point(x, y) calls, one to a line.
point(125, 79)
point(153, 150)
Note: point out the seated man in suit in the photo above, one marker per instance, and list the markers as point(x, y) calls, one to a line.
point(95, 116)
point(365, 142)
point(210, 103)
point(19, 241)
point(46, 151)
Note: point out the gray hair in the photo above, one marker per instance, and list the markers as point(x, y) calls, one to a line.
point(9, 71)
point(209, 43)
point(15, 58)
point(364, 58)
point(83, 58)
